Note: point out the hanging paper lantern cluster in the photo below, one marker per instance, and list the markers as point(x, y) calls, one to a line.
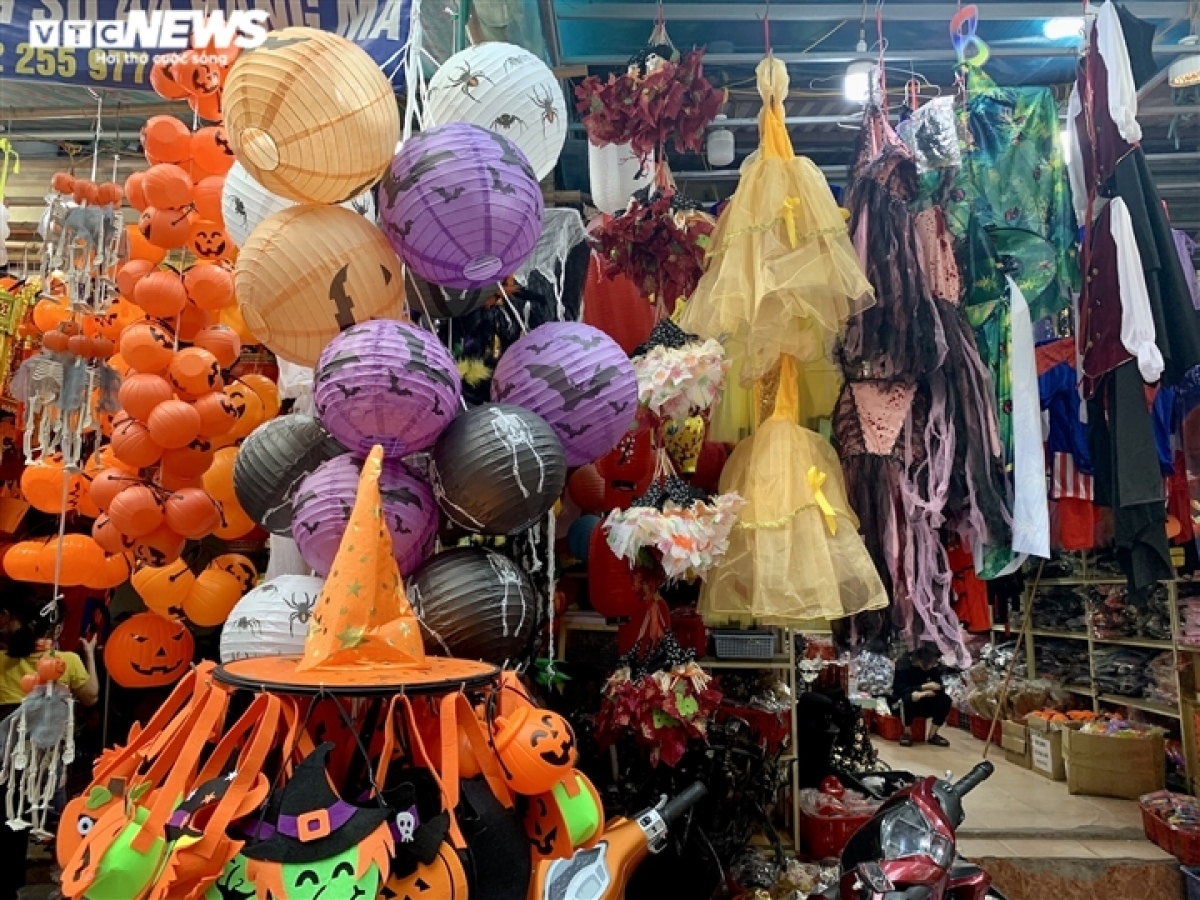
point(575, 377)
point(272, 619)
point(505, 89)
point(322, 504)
point(206, 599)
point(197, 75)
point(461, 206)
point(84, 563)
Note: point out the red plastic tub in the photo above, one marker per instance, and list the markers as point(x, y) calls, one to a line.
point(979, 729)
point(890, 728)
point(823, 837)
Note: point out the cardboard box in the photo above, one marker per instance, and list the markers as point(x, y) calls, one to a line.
point(1014, 738)
point(1045, 748)
point(1104, 766)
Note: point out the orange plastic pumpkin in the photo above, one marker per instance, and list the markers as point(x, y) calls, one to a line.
point(195, 371)
point(210, 148)
point(147, 651)
point(168, 186)
point(192, 513)
point(81, 556)
point(160, 547)
point(208, 240)
point(55, 341)
point(105, 533)
point(132, 443)
point(23, 561)
point(171, 482)
point(115, 572)
point(111, 194)
point(218, 480)
point(165, 228)
point(162, 588)
point(186, 464)
point(161, 294)
point(42, 485)
point(131, 273)
point(174, 424)
point(223, 343)
point(192, 320)
point(165, 139)
point(212, 597)
point(51, 667)
point(235, 523)
point(240, 567)
point(550, 817)
point(248, 406)
point(133, 191)
point(217, 415)
point(106, 484)
point(141, 392)
point(209, 286)
point(139, 247)
point(121, 314)
point(147, 347)
point(136, 511)
point(537, 749)
point(267, 390)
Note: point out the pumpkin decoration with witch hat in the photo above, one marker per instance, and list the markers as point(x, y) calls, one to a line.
point(321, 845)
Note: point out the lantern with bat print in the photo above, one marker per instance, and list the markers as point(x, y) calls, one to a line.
point(388, 383)
point(461, 206)
point(575, 377)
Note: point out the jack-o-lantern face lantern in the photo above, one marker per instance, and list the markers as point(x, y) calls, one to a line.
point(536, 749)
point(567, 818)
point(147, 650)
point(442, 879)
point(208, 240)
point(81, 814)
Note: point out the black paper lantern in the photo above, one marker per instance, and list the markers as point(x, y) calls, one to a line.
point(273, 461)
point(497, 469)
point(436, 302)
point(474, 603)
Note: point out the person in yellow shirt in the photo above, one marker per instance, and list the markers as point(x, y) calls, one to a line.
point(26, 635)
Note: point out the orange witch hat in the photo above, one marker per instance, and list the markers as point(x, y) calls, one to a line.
point(363, 617)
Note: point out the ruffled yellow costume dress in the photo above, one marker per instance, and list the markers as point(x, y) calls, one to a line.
point(795, 556)
point(782, 275)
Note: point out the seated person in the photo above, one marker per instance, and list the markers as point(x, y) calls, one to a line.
point(917, 688)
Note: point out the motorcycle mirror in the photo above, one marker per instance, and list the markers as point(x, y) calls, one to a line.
point(870, 874)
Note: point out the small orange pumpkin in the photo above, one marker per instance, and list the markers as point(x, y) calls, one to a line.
point(147, 651)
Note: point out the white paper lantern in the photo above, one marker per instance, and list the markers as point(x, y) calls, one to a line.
point(505, 89)
point(245, 203)
point(616, 174)
point(271, 620)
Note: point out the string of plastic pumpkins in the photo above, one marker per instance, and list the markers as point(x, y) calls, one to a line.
point(172, 336)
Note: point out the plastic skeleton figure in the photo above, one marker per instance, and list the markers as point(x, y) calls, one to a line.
point(39, 744)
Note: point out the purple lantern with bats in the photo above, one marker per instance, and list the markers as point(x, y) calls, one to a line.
point(386, 382)
point(575, 377)
point(461, 206)
point(322, 504)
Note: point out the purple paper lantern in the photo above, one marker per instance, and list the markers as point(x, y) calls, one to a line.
point(461, 206)
point(322, 505)
point(575, 377)
point(386, 382)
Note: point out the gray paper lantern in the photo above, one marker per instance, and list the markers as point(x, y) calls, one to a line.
point(497, 469)
point(273, 461)
point(474, 603)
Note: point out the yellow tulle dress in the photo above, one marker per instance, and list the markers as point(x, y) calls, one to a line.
point(795, 556)
point(782, 275)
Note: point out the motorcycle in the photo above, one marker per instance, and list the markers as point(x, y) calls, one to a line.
point(602, 872)
point(907, 851)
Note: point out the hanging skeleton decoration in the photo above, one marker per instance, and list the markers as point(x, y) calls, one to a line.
point(38, 745)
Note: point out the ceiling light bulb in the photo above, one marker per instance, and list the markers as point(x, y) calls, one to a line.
point(1063, 28)
point(857, 87)
point(1064, 142)
point(720, 146)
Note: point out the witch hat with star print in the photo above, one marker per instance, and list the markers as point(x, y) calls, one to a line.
point(363, 615)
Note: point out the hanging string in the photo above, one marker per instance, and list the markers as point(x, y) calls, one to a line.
point(551, 579)
point(96, 141)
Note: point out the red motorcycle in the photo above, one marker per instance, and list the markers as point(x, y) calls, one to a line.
point(907, 851)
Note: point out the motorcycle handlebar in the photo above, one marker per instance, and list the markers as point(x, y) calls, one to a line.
point(675, 808)
point(974, 778)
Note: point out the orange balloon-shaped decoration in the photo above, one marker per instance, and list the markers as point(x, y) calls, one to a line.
point(195, 371)
point(171, 482)
point(240, 567)
point(207, 197)
point(56, 341)
point(63, 182)
point(161, 294)
point(210, 148)
point(49, 313)
point(134, 192)
point(208, 240)
point(207, 106)
point(224, 344)
point(132, 443)
point(167, 186)
point(147, 347)
point(160, 547)
point(106, 484)
point(121, 314)
point(166, 140)
point(164, 84)
point(235, 523)
point(248, 406)
point(191, 320)
point(139, 247)
point(23, 561)
point(49, 488)
point(209, 286)
point(174, 424)
point(267, 390)
point(81, 556)
point(86, 192)
point(232, 316)
point(163, 588)
point(105, 533)
point(141, 392)
point(192, 513)
point(218, 480)
point(115, 572)
point(136, 511)
point(537, 749)
point(217, 415)
point(186, 464)
point(165, 228)
point(212, 598)
point(131, 273)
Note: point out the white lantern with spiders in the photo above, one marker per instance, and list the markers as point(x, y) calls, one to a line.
point(508, 90)
point(271, 620)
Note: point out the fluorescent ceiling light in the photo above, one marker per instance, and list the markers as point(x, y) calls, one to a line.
point(857, 88)
point(1063, 28)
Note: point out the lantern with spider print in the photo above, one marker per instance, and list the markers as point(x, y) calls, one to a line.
point(508, 90)
point(271, 620)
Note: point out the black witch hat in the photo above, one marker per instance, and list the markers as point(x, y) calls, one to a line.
point(309, 821)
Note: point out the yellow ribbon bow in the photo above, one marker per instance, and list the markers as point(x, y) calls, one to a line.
point(789, 218)
point(816, 479)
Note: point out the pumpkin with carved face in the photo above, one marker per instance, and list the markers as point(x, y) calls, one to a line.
point(536, 749)
point(208, 240)
point(442, 879)
point(566, 818)
point(147, 650)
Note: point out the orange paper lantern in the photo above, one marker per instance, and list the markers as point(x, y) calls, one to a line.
point(167, 186)
point(49, 488)
point(191, 320)
point(185, 464)
point(81, 556)
point(132, 443)
point(195, 371)
point(212, 598)
point(106, 484)
point(209, 286)
point(141, 392)
point(139, 247)
point(192, 513)
point(165, 228)
point(207, 197)
point(160, 547)
point(147, 347)
point(164, 84)
point(248, 406)
point(218, 480)
point(210, 148)
point(267, 391)
point(225, 346)
point(208, 240)
point(162, 588)
point(131, 273)
point(161, 294)
point(174, 424)
point(166, 140)
point(136, 511)
point(23, 561)
point(240, 567)
point(134, 192)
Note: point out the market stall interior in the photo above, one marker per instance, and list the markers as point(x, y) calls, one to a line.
point(525, 450)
